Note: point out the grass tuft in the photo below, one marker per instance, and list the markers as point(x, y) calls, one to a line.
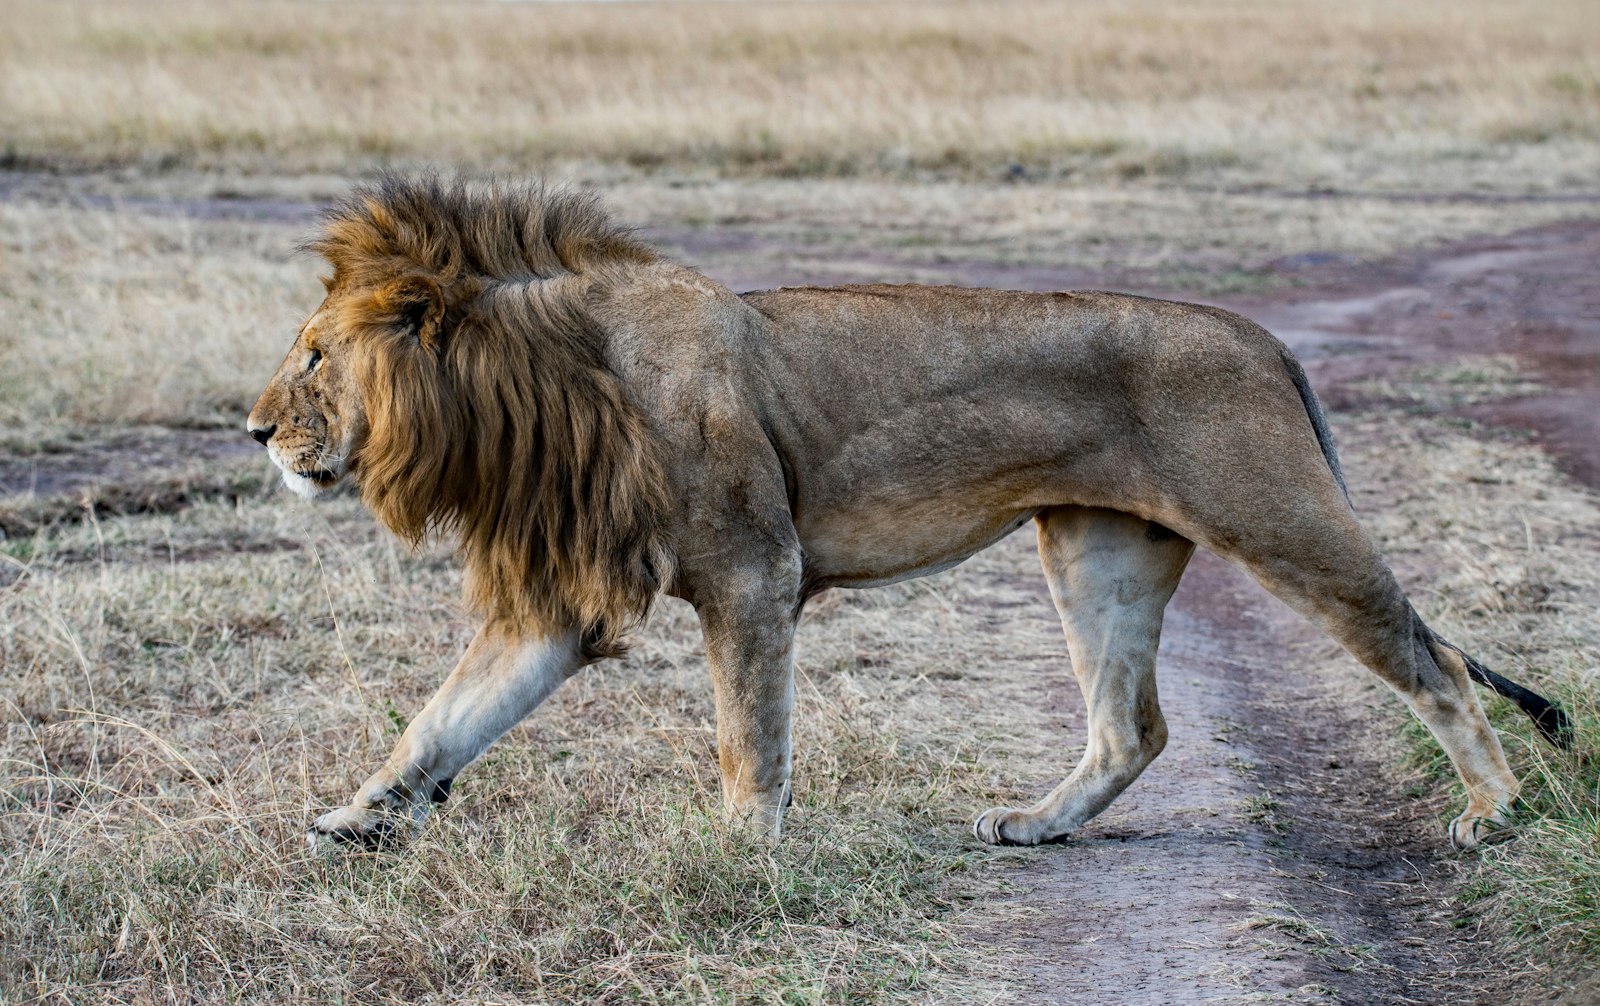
point(1548, 877)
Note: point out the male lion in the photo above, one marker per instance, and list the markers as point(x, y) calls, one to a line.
point(597, 424)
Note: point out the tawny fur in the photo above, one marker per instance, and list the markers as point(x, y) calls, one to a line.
point(596, 424)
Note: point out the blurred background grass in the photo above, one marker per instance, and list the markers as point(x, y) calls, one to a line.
point(1482, 94)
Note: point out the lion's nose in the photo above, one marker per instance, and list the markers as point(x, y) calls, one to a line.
point(263, 433)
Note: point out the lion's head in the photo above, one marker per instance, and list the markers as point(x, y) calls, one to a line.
point(312, 417)
point(453, 374)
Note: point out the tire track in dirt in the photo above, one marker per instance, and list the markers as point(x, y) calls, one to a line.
point(1266, 856)
point(1147, 904)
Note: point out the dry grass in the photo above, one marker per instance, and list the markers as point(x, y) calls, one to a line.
point(180, 690)
point(1482, 94)
point(170, 724)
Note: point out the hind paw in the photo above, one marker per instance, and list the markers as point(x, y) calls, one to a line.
point(1475, 828)
point(1006, 826)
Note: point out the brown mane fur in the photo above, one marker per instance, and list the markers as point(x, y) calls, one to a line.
point(499, 419)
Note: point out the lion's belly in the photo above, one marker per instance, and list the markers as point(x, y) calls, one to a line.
point(873, 547)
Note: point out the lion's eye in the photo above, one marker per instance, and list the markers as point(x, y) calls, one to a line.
point(316, 358)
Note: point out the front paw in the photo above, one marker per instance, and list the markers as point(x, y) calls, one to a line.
point(351, 826)
point(759, 820)
point(386, 824)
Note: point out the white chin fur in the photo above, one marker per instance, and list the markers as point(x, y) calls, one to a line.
point(300, 485)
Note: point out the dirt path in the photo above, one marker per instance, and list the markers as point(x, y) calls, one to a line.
point(1265, 857)
point(1533, 296)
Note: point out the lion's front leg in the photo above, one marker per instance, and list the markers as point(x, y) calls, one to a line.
point(499, 680)
point(749, 632)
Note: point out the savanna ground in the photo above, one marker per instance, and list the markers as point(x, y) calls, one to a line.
point(193, 662)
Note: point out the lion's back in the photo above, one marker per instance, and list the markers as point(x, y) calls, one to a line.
point(929, 332)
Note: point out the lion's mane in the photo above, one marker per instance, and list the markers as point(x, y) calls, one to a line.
point(498, 419)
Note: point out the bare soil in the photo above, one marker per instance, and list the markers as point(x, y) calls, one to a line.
point(1272, 854)
point(119, 459)
point(1533, 295)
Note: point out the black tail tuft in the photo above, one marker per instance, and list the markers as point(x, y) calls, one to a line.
point(1548, 716)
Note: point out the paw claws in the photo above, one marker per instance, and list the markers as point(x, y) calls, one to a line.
point(989, 828)
point(1008, 826)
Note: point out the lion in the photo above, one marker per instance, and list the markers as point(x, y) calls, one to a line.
point(596, 424)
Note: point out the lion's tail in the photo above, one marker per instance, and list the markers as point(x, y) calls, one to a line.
point(1319, 419)
point(1548, 716)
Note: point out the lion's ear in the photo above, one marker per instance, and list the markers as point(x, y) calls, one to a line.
point(419, 304)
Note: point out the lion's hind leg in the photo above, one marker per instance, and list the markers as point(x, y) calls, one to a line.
point(1111, 575)
point(1433, 679)
point(1309, 550)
